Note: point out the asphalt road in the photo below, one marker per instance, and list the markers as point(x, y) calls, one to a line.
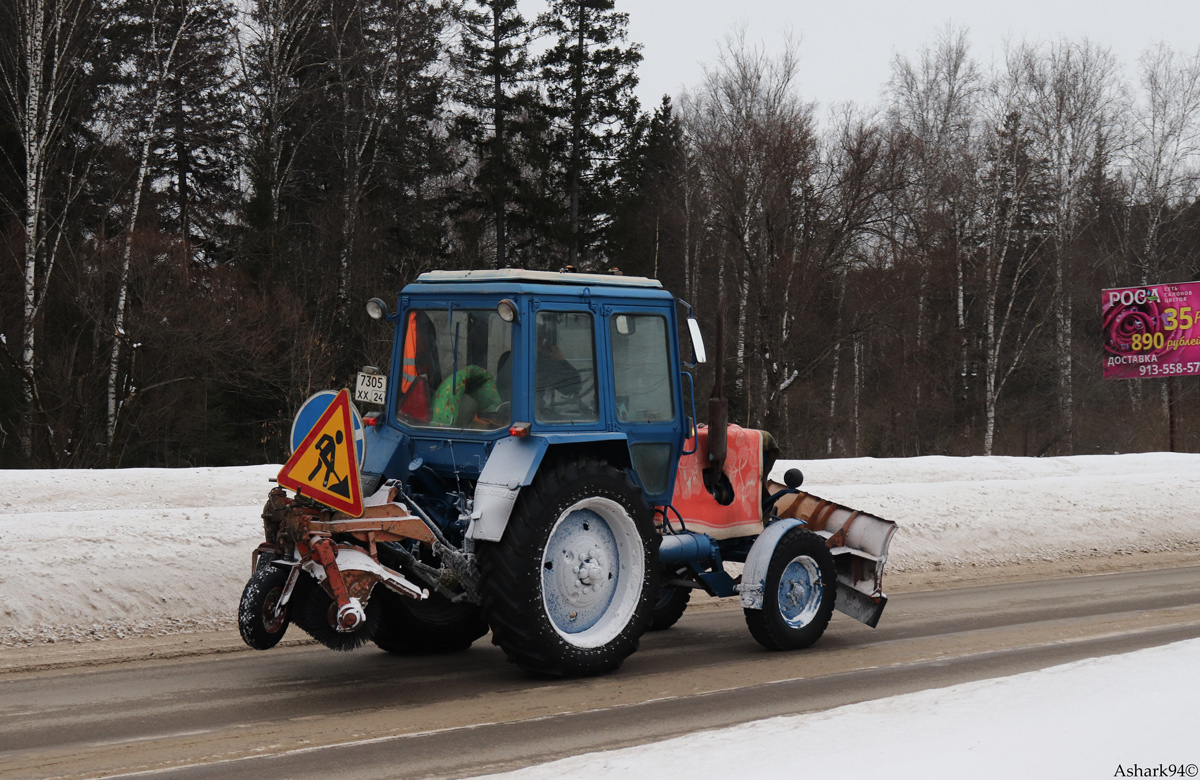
point(307, 712)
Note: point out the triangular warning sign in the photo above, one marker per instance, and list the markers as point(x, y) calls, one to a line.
point(325, 465)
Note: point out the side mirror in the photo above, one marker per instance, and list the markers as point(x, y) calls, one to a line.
point(697, 341)
point(793, 478)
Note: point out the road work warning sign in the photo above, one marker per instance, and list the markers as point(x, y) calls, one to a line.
point(325, 465)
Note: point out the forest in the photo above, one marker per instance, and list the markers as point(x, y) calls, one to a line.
point(198, 196)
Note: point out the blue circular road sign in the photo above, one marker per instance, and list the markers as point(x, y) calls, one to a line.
point(311, 411)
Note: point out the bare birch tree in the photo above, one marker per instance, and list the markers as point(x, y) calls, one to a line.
point(362, 69)
point(39, 82)
point(165, 29)
point(1164, 155)
point(935, 103)
point(1011, 232)
point(1070, 99)
point(754, 144)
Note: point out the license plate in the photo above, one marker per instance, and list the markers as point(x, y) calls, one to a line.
point(371, 388)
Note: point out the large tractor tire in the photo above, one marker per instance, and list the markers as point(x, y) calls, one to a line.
point(427, 627)
point(669, 607)
point(798, 594)
point(260, 627)
point(569, 588)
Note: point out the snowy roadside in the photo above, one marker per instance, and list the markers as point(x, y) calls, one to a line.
point(98, 554)
point(1101, 717)
point(107, 554)
point(958, 512)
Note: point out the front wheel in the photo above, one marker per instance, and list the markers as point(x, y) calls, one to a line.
point(260, 621)
point(798, 594)
point(570, 587)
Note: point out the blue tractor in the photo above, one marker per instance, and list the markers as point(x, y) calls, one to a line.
point(533, 468)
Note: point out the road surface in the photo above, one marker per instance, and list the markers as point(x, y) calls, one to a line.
point(298, 711)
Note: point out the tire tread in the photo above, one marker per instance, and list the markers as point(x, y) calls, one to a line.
point(511, 578)
point(767, 625)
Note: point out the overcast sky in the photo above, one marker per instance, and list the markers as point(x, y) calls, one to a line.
point(846, 47)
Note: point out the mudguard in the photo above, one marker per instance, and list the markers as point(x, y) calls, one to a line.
point(511, 466)
point(754, 574)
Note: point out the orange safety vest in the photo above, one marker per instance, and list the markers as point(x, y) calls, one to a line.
point(415, 403)
point(408, 369)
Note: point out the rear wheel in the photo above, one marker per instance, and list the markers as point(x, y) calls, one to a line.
point(672, 601)
point(432, 625)
point(569, 588)
point(260, 626)
point(798, 594)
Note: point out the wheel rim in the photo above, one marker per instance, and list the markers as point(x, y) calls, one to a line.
point(800, 591)
point(593, 569)
point(272, 622)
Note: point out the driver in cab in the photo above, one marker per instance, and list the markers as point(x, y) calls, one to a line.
point(554, 375)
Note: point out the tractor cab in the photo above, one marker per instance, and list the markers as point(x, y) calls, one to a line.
point(566, 359)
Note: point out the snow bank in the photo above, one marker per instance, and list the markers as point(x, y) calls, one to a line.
point(100, 553)
point(1103, 717)
point(987, 511)
point(106, 552)
point(85, 490)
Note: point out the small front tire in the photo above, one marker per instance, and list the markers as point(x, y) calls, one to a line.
point(798, 595)
point(260, 626)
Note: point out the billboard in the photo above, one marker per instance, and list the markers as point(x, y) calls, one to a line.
point(1151, 331)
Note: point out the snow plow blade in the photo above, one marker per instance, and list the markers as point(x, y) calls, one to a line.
point(859, 542)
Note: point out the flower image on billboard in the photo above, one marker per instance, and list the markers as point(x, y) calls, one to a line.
point(1151, 331)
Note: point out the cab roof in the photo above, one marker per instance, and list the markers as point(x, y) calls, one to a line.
point(518, 275)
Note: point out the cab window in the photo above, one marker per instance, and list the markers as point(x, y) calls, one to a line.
point(565, 368)
point(641, 367)
point(455, 369)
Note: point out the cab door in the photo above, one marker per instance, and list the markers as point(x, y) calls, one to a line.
point(644, 393)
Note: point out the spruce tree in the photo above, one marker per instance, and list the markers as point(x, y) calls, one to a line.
point(590, 74)
point(495, 71)
point(277, 77)
point(645, 236)
point(412, 202)
point(197, 151)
